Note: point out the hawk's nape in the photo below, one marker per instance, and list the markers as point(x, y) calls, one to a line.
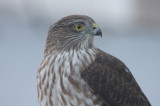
point(76, 73)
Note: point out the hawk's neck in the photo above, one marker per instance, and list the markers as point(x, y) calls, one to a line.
point(73, 58)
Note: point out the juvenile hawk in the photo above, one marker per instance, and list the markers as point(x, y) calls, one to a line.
point(76, 73)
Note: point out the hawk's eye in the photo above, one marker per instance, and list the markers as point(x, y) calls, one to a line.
point(78, 27)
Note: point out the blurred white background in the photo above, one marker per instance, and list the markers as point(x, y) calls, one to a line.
point(131, 32)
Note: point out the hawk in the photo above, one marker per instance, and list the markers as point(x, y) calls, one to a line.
point(76, 73)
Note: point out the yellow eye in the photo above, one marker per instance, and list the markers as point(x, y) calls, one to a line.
point(78, 27)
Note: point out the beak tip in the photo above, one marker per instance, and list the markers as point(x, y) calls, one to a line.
point(99, 32)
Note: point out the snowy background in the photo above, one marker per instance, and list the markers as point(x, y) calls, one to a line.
point(131, 32)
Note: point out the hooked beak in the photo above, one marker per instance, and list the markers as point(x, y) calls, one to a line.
point(96, 30)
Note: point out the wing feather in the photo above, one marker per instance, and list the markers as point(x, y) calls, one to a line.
point(112, 81)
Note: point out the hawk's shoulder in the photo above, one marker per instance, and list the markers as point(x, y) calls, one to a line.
point(111, 80)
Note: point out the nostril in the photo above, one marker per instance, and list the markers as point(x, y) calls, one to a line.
point(94, 27)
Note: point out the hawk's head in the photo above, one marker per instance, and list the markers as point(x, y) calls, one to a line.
point(72, 32)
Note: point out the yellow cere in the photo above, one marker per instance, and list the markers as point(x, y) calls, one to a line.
point(95, 26)
point(79, 27)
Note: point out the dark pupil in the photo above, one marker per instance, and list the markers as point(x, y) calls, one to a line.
point(79, 26)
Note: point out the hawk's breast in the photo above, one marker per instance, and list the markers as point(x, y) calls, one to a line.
point(60, 82)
